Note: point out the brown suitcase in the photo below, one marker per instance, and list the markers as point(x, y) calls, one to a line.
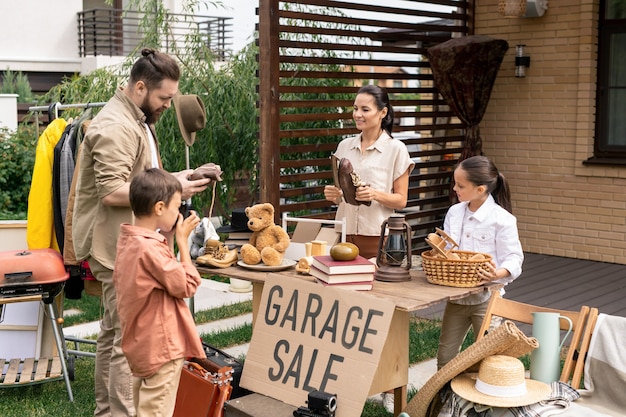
point(32, 272)
point(202, 393)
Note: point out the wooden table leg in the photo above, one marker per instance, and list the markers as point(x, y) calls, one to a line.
point(257, 293)
point(393, 369)
point(399, 399)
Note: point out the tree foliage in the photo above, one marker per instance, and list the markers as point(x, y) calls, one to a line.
point(17, 158)
point(17, 83)
point(228, 91)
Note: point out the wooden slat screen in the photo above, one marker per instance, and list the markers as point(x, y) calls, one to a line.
point(314, 55)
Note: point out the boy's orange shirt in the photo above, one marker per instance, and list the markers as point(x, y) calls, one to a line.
point(151, 285)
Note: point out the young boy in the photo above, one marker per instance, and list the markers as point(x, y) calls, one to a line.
point(158, 331)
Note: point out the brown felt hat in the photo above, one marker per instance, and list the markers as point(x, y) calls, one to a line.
point(191, 115)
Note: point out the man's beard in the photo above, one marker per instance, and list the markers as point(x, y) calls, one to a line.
point(151, 115)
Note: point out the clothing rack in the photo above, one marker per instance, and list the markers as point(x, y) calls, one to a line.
point(55, 107)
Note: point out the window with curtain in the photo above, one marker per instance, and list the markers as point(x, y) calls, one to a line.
point(610, 141)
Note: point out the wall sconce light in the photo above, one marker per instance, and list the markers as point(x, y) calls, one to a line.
point(521, 62)
point(522, 8)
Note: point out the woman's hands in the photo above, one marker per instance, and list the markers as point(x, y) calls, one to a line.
point(366, 193)
point(333, 194)
point(363, 193)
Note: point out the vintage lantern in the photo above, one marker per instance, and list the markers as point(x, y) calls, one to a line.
point(394, 252)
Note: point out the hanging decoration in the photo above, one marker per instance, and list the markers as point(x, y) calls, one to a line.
point(464, 71)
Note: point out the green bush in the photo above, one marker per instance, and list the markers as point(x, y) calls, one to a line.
point(17, 159)
point(17, 83)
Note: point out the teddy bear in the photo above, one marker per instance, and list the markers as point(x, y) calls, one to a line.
point(268, 242)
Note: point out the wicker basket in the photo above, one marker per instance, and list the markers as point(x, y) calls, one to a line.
point(454, 272)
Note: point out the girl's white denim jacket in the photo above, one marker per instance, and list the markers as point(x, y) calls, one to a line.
point(494, 233)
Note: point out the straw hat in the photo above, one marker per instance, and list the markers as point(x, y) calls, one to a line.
point(500, 382)
point(191, 115)
point(505, 339)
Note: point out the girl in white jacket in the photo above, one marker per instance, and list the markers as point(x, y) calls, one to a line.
point(480, 222)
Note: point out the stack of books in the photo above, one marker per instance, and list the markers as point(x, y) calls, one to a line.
point(357, 274)
point(238, 238)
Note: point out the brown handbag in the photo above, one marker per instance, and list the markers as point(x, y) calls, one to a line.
point(202, 392)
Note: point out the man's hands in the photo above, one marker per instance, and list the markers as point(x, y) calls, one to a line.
point(191, 187)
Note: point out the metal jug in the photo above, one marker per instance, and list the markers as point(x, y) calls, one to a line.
point(545, 363)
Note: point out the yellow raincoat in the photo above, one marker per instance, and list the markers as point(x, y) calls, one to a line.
point(40, 223)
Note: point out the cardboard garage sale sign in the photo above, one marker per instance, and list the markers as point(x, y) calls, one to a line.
point(310, 337)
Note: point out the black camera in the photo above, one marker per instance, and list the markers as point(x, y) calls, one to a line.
point(185, 209)
point(320, 404)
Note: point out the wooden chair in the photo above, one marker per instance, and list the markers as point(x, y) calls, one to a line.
point(583, 322)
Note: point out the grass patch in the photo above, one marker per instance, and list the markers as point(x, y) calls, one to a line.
point(50, 398)
point(424, 339)
point(87, 305)
point(230, 310)
point(233, 337)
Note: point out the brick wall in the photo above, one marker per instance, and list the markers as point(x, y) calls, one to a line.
point(539, 130)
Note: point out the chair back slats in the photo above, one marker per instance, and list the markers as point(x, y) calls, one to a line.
point(575, 360)
point(582, 326)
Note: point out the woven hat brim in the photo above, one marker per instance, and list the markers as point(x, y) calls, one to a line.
point(506, 339)
point(465, 386)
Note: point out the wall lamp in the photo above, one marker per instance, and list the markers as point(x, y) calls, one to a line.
point(521, 62)
point(522, 8)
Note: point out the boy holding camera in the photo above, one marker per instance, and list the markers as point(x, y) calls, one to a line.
point(158, 330)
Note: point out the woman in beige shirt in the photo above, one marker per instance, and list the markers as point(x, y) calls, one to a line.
point(382, 163)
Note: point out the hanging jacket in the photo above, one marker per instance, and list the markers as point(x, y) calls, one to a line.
point(57, 179)
point(63, 171)
point(40, 221)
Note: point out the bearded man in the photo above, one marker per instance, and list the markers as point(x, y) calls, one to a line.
point(119, 143)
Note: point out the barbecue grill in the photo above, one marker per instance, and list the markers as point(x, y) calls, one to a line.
point(34, 275)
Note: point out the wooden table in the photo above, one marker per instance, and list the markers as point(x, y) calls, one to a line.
point(408, 296)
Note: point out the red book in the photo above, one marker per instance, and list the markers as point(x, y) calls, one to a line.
point(341, 278)
point(328, 265)
point(356, 286)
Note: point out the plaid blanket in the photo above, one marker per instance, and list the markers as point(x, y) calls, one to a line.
point(560, 398)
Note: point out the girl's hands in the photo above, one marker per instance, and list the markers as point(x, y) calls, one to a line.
point(489, 273)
